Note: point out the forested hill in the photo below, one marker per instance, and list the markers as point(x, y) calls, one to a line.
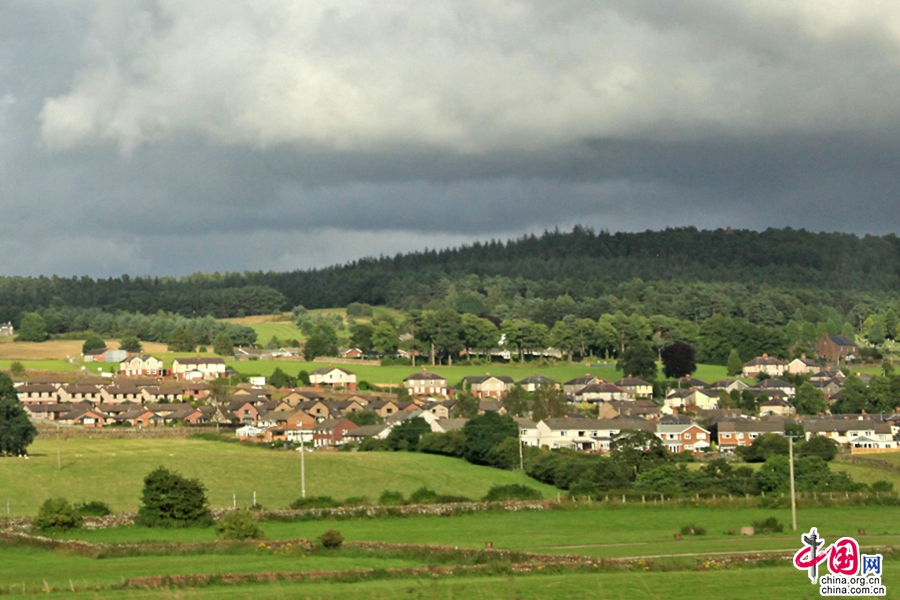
point(582, 264)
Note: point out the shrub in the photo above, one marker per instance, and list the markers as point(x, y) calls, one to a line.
point(56, 514)
point(93, 509)
point(331, 539)
point(238, 525)
point(315, 502)
point(693, 530)
point(512, 492)
point(423, 495)
point(357, 501)
point(390, 498)
point(170, 500)
point(770, 525)
point(584, 489)
point(882, 486)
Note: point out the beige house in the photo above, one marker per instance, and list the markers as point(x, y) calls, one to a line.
point(426, 383)
point(637, 388)
point(333, 377)
point(764, 364)
point(141, 365)
point(198, 368)
point(580, 434)
point(802, 366)
point(489, 386)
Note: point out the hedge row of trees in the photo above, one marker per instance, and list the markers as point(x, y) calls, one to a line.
point(187, 332)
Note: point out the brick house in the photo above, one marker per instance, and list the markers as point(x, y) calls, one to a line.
point(141, 365)
point(679, 437)
point(331, 432)
point(835, 348)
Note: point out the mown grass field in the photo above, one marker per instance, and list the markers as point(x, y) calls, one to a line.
point(637, 531)
point(751, 584)
point(112, 470)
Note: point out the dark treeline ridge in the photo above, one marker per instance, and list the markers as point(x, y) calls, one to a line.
point(682, 272)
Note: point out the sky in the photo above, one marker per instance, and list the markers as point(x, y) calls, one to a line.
point(168, 137)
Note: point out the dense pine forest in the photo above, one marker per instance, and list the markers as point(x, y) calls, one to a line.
point(684, 273)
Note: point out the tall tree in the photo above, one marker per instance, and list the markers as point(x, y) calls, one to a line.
point(182, 340)
point(32, 328)
point(639, 360)
point(735, 364)
point(92, 342)
point(131, 343)
point(223, 345)
point(810, 401)
point(564, 339)
point(16, 429)
point(679, 360)
point(486, 432)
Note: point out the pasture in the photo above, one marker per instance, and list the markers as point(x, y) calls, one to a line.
point(388, 376)
point(112, 470)
point(693, 567)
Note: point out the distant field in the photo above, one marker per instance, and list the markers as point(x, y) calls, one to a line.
point(560, 371)
point(113, 471)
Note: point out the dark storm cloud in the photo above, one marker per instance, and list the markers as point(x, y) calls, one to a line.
point(163, 137)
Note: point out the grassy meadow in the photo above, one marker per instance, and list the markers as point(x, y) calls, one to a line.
point(751, 584)
point(112, 470)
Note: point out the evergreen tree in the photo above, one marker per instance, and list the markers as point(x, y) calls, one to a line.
point(16, 429)
point(735, 364)
point(182, 340)
point(223, 345)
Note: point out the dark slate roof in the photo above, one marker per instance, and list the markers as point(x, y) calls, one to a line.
point(841, 340)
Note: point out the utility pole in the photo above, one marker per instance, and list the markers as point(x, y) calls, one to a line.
point(521, 457)
point(793, 489)
point(302, 468)
point(58, 452)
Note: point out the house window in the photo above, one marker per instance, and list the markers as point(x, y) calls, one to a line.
point(562, 433)
point(726, 436)
point(753, 436)
point(687, 436)
point(701, 436)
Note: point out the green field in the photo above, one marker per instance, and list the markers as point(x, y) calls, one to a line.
point(40, 365)
point(393, 375)
point(112, 470)
point(638, 531)
point(778, 582)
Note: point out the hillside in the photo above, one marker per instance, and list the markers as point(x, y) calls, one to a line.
point(581, 263)
point(112, 470)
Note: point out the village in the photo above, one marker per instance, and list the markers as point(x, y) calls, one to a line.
point(144, 394)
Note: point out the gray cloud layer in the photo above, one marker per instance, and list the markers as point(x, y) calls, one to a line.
point(166, 137)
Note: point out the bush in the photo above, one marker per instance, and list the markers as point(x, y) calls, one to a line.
point(331, 539)
point(512, 492)
point(238, 525)
point(390, 498)
point(882, 486)
point(315, 502)
point(357, 501)
point(423, 495)
point(56, 514)
point(170, 500)
point(584, 489)
point(770, 525)
point(94, 509)
point(693, 530)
